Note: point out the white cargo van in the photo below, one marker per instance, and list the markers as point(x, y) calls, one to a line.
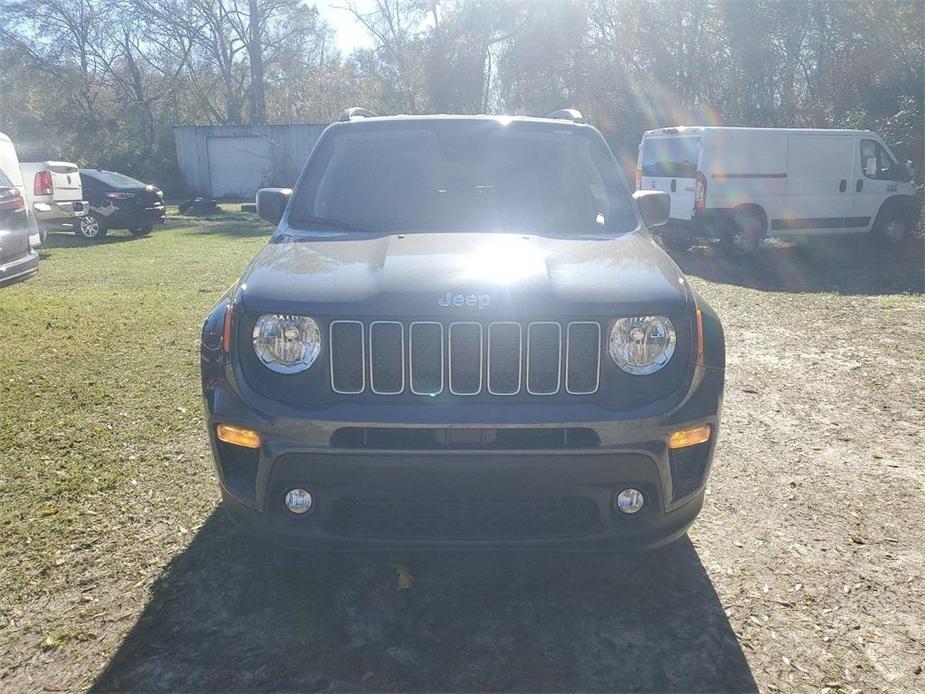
point(55, 193)
point(743, 184)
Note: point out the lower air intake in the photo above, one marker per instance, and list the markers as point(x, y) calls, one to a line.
point(469, 519)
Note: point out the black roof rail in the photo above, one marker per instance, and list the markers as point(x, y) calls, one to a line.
point(571, 114)
point(349, 114)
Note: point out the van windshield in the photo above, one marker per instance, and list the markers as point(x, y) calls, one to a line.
point(478, 175)
point(670, 156)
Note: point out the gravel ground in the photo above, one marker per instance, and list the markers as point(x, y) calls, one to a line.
point(803, 572)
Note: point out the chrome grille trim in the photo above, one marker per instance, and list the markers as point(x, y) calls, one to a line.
point(411, 356)
point(449, 360)
point(559, 374)
point(435, 364)
point(520, 357)
point(362, 354)
point(372, 380)
point(568, 336)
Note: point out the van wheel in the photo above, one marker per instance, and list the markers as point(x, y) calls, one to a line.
point(91, 228)
point(891, 228)
point(744, 232)
point(141, 231)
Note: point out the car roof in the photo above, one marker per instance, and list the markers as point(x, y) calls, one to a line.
point(444, 117)
point(699, 129)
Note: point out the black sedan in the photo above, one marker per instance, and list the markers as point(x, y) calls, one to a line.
point(118, 201)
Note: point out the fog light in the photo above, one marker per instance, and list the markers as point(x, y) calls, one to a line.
point(299, 500)
point(629, 501)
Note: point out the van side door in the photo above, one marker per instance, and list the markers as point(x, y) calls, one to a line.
point(819, 192)
point(877, 176)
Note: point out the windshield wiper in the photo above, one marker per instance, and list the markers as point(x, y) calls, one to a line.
point(326, 223)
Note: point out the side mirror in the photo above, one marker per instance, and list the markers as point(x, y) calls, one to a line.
point(271, 203)
point(654, 206)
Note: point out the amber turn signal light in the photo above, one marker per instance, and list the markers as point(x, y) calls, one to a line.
point(238, 436)
point(226, 330)
point(689, 437)
point(700, 338)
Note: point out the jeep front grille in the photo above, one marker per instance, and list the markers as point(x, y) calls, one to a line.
point(465, 358)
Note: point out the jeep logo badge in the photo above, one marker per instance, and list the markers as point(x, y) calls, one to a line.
point(479, 301)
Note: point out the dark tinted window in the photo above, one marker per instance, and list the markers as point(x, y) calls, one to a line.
point(4, 181)
point(113, 179)
point(670, 156)
point(464, 176)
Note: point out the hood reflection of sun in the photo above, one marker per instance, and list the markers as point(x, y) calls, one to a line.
point(504, 261)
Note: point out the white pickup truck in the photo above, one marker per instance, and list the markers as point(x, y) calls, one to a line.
point(54, 191)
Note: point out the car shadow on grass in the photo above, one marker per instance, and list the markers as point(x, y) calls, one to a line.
point(242, 226)
point(68, 239)
point(230, 614)
point(847, 264)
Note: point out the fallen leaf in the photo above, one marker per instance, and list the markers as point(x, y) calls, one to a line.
point(405, 579)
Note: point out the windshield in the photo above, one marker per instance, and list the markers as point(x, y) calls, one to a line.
point(116, 180)
point(670, 156)
point(463, 176)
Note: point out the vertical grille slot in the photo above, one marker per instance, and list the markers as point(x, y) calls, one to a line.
point(386, 357)
point(425, 340)
point(582, 358)
point(465, 358)
point(348, 357)
point(504, 358)
point(544, 352)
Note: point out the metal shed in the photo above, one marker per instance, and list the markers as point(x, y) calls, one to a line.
point(233, 161)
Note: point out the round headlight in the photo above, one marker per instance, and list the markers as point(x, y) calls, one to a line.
point(287, 344)
point(642, 344)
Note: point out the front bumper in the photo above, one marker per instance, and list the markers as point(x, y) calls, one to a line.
point(532, 501)
point(387, 492)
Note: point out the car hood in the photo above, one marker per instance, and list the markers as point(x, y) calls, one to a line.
point(462, 274)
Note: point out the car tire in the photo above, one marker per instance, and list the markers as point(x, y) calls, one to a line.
point(891, 228)
point(744, 232)
point(91, 228)
point(141, 231)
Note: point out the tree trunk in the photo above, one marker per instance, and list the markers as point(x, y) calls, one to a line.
point(255, 54)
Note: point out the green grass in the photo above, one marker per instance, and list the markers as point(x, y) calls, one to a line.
point(100, 412)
